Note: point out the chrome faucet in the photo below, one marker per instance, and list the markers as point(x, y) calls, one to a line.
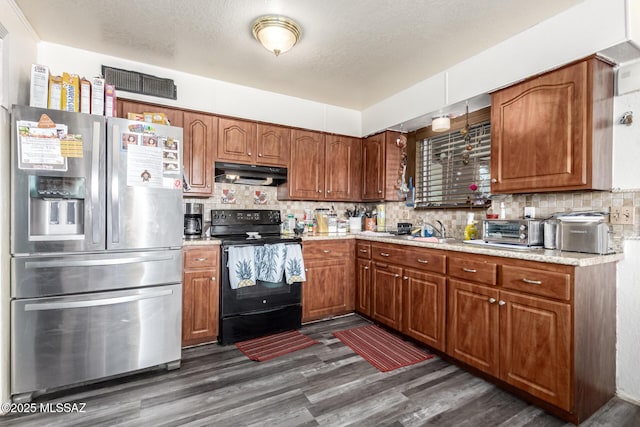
point(442, 231)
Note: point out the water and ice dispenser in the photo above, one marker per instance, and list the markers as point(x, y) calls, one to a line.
point(56, 208)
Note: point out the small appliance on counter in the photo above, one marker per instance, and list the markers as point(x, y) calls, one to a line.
point(586, 232)
point(193, 220)
point(404, 228)
point(523, 232)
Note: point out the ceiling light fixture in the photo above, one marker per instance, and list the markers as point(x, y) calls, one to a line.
point(277, 33)
point(440, 123)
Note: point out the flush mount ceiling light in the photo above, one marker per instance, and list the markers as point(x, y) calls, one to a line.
point(277, 33)
point(440, 123)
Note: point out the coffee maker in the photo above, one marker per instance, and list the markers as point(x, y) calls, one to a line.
point(193, 220)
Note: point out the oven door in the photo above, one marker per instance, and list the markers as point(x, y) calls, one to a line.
point(260, 297)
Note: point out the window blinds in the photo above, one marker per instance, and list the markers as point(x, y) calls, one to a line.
point(449, 164)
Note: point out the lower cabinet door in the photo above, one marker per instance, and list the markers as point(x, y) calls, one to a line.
point(423, 303)
point(363, 287)
point(473, 325)
point(386, 301)
point(326, 291)
point(200, 301)
point(535, 339)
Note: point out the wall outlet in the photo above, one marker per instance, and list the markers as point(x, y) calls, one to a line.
point(622, 215)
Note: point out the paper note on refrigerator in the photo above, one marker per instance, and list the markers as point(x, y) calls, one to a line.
point(39, 148)
point(144, 166)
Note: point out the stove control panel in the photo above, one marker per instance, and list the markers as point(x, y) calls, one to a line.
point(244, 217)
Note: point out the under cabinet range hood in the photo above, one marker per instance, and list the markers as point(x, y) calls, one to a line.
point(236, 173)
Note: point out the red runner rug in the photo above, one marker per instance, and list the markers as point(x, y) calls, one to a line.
point(265, 348)
point(382, 349)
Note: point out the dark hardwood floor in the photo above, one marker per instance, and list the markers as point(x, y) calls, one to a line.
point(325, 385)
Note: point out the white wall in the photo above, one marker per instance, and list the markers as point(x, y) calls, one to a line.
point(628, 348)
point(18, 51)
point(626, 142)
point(215, 96)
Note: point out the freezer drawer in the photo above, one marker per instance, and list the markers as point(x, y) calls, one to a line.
point(40, 276)
point(61, 341)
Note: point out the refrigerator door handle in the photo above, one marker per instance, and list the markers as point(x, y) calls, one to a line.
point(95, 183)
point(115, 187)
point(93, 262)
point(41, 306)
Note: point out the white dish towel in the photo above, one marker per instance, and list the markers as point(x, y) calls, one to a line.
point(294, 265)
point(270, 262)
point(242, 268)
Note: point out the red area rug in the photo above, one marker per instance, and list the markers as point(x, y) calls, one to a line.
point(382, 349)
point(265, 348)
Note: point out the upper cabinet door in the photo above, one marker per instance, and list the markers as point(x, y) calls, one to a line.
point(200, 132)
point(373, 167)
point(306, 171)
point(237, 141)
point(273, 145)
point(124, 107)
point(554, 132)
point(342, 168)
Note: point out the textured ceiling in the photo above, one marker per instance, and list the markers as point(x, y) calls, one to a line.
point(353, 53)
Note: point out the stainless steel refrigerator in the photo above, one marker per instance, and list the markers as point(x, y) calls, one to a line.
point(96, 248)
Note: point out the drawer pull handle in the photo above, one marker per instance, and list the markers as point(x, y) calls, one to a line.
point(326, 251)
point(384, 254)
point(423, 261)
point(469, 270)
point(366, 268)
point(532, 282)
point(364, 251)
point(501, 303)
point(200, 259)
point(492, 300)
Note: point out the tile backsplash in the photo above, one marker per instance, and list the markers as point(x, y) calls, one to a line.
point(545, 204)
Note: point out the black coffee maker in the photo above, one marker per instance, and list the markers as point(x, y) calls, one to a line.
point(193, 220)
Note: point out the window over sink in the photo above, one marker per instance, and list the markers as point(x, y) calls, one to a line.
point(453, 169)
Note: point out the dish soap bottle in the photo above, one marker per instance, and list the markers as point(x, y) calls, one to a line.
point(470, 231)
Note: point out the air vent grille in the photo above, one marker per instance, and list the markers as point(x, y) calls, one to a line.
point(133, 81)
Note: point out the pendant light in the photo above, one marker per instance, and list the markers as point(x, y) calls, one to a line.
point(441, 123)
point(276, 33)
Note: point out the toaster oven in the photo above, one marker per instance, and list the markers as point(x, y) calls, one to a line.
point(523, 232)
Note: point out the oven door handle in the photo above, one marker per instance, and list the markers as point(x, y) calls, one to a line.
point(263, 311)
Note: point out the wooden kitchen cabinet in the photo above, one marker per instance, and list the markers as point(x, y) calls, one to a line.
point(323, 167)
point(363, 278)
point(381, 167)
point(329, 289)
point(409, 291)
point(200, 133)
point(273, 145)
point(124, 106)
point(554, 132)
point(546, 329)
point(200, 294)
point(236, 141)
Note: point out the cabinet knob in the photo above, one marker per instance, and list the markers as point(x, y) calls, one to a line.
point(405, 277)
point(493, 180)
point(492, 300)
point(501, 302)
point(379, 191)
point(208, 185)
point(306, 269)
point(396, 275)
point(328, 191)
point(319, 191)
point(213, 279)
point(326, 251)
point(366, 268)
point(249, 153)
point(259, 154)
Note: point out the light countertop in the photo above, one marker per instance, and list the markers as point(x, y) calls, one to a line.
point(540, 255)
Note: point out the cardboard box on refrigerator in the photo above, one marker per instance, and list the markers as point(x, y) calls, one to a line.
point(70, 92)
point(97, 96)
point(39, 91)
point(109, 100)
point(85, 96)
point(55, 93)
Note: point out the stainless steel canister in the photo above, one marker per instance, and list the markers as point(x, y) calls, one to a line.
point(550, 232)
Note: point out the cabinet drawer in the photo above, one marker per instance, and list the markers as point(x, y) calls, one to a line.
point(474, 270)
point(425, 260)
point(201, 257)
point(539, 282)
point(327, 249)
point(363, 250)
point(388, 254)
